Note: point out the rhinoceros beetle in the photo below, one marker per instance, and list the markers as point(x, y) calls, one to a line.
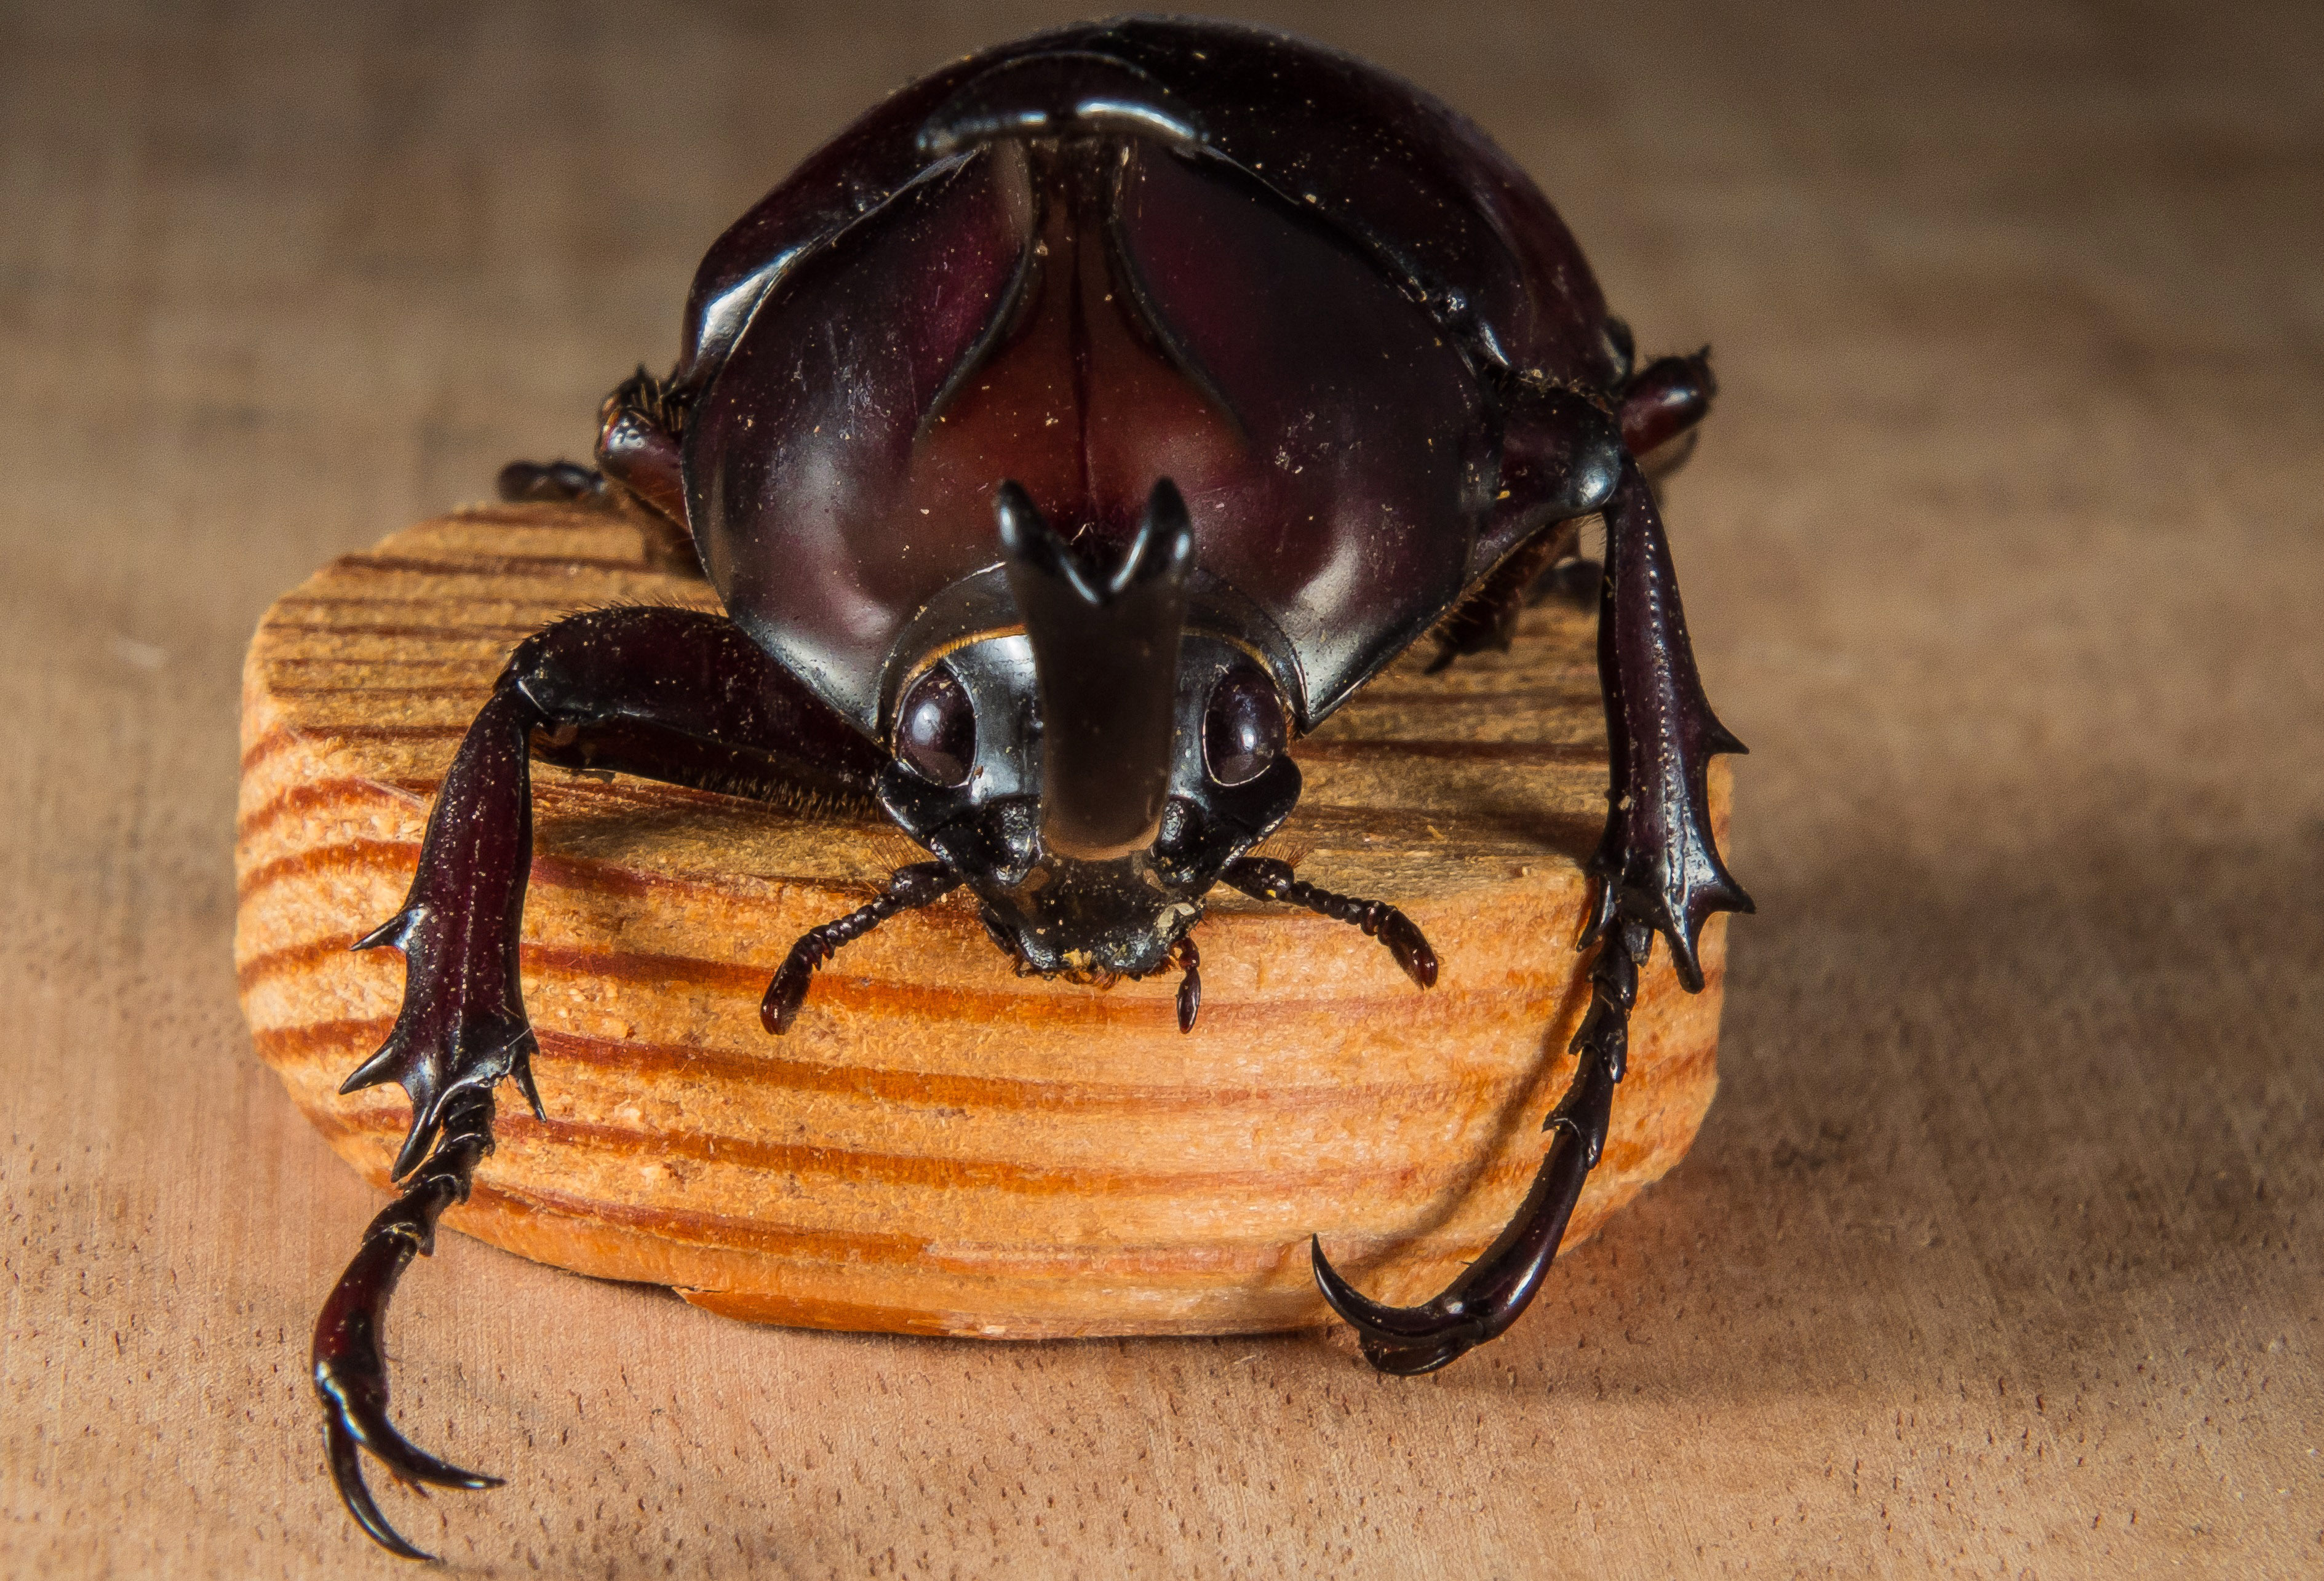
point(1070, 433)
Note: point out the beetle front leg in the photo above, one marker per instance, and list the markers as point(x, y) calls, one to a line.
point(673, 694)
point(1493, 1292)
point(1658, 412)
point(349, 1361)
point(1657, 863)
point(1657, 870)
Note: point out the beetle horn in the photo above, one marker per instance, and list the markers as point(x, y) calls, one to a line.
point(1105, 657)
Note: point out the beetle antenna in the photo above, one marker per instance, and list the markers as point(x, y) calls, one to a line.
point(911, 888)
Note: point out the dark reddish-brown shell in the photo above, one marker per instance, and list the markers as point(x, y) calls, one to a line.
point(1299, 286)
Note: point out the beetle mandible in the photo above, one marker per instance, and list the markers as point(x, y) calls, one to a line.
point(1084, 422)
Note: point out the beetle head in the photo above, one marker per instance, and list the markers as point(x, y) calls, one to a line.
point(1091, 773)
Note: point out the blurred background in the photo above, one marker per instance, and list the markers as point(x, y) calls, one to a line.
point(2004, 549)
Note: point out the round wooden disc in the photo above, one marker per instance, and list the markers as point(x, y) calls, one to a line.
point(939, 1146)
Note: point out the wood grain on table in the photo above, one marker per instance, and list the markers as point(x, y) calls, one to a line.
point(1999, 1251)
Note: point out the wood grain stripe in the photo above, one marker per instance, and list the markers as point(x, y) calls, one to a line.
point(1542, 754)
point(1224, 1261)
point(338, 1046)
point(324, 738)
point(924, 1173)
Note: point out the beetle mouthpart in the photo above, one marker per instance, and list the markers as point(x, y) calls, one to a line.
point(1091, 922)
point(1105, 661)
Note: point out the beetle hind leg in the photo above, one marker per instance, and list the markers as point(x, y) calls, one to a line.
point(350, 1364)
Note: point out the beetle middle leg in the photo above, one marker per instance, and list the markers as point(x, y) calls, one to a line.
point(1657, 870)
point(637, 472)
point(1487, 620)
point(1659, 412)
point(671, 694)
point(1662, 404)
point(534, 481)
point(637, 452)
point(1656, 415)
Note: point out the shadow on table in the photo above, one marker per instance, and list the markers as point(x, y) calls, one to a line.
point(1995, 1119)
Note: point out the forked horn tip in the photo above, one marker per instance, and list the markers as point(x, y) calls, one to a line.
point(1023, 529)
point(1163, 549)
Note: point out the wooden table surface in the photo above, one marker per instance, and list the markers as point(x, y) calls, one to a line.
point(2002, 1250)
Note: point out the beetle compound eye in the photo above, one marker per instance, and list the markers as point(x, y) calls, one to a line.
point(1243, 729)
point(935, 729)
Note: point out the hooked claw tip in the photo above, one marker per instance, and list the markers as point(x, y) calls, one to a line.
point(1406, 1341)
point(1412, 1361)
point(365, 1421)
point(1366, 1316)
point(346, 1476)
point(349, 1425)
